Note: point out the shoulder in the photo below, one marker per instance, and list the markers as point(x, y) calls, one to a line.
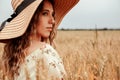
point(51, 48)
point(41, 50)
point(41, 47)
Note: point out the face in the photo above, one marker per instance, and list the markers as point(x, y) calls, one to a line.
point(46, 20)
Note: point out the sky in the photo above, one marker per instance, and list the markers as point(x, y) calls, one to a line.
point(87, 14)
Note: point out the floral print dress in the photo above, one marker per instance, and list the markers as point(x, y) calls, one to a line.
point(42, 64)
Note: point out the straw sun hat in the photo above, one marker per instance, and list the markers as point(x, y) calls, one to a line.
point(24, 10)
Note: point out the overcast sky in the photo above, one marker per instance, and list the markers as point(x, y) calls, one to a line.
point(87, 13)
point(104, 13)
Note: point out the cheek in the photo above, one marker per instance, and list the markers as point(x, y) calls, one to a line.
point(41, 31)
point(39, 28)
point(40, 25)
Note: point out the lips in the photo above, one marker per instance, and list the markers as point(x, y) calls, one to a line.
point(49, 28)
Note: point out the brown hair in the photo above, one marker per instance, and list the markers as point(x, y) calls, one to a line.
point(14, 50)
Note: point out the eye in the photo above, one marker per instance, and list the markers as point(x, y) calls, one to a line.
point(45, 13)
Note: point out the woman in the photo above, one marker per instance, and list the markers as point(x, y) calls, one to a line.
point(27, 53)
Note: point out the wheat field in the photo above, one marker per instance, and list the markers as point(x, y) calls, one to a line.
point(88, 55)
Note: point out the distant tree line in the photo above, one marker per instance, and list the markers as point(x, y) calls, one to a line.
point(86, 29)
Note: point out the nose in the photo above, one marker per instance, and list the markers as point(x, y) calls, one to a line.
point(52, 20)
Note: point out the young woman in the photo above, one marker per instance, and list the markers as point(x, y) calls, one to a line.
point(27, 53)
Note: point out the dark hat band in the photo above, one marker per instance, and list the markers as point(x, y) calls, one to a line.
point(20, 8)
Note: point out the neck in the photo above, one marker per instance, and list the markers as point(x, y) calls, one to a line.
point(35, 38)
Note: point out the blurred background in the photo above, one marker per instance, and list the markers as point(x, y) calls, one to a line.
point(87, 14)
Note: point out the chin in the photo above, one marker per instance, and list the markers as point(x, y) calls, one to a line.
point(46, 36)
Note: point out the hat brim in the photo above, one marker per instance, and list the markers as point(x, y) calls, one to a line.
point(19, 24)
point(62, 7)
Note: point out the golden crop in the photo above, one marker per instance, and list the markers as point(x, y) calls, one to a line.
point(88, 55)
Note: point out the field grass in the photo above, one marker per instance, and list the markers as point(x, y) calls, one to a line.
point(89, 55)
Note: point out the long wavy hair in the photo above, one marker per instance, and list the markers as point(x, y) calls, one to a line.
point(15, 49)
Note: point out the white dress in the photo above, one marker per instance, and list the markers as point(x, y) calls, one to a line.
point(33, 68)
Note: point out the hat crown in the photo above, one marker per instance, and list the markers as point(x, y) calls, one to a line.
point(16, 3)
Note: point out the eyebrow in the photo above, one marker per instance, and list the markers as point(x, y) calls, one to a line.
point(48, 10)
